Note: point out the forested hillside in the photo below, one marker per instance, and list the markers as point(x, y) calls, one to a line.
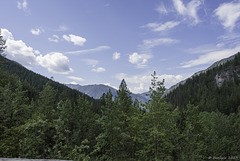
point(35, 82)
point(40, 118)
point(217, 89)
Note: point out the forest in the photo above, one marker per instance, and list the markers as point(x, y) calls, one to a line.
point(202, 90)
point(40, 118)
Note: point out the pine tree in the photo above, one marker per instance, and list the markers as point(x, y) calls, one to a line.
point(14, 111)
point(62, 124)
point(190, 143)
point(123, 97)
point(161, 131)
point(2, 43)
point(107, 146)
point(45, 116)
point(126, 111)
point(47, 102)
point(84, 123)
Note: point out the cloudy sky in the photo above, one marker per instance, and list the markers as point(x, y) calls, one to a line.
point(104, 41)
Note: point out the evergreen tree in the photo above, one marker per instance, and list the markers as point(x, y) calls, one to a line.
point(220, 134)
point(45, 116)
point(84, 124)
point(107, 147)
point(161, 131)
point(14, 111)
point(190, 144)
point(123, 98)
point(2, 43)
point(126, 111)
point(62, 124)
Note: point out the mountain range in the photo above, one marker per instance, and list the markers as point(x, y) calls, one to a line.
point(214, 89)
point(97, 90)
point(217, 86)
point(214, 65)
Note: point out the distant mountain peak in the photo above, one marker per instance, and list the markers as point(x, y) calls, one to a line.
point(97, 90)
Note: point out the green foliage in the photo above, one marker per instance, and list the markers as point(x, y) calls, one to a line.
point(161, 130)
point(49, 122)
point(2, 44)
point(35, 82)
point(79, 152)
point(203, 90)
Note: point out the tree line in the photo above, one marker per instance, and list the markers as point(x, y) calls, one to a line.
point(120, 130)
point(203, 90)
point(40, 118)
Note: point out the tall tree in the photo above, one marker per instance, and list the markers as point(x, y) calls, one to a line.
point(47, 101)
point(107, 146)
point(190, 144)
point(161, 131)
point(45, 115)
point(14, 111)
point(2, 43)
point(126, 111)
point(123, 97)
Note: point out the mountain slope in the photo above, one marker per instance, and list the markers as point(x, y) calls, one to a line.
point(97, 90)
point(214, 65)
point(94, 91)
point(216, 88)
point(34, 82)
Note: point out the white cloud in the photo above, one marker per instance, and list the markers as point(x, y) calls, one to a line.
point(202, 49)
point(161, 9)
point(148, 44)
point(189, 11)
point(19, 51)
point(141, 83)
point(88, 51)
point(74, 83)
point(228, 14)
point(77, 40)
point(36, 31)
point(139, 59)
point(162, 27)
point(54, 38)
point(79, 79)
point(26, 55)
point(6, 34)
point(55, 63)
point(99, 69)
point(227, 45)
point(91, 62)
point(231, 39)
point(211, 57)
point(108, 84)
point(62, 28)
point(116, 56)
point(22, 5)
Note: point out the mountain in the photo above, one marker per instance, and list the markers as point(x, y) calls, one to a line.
point(40, 118)
point(214, 89)
point(214, 65)
point(145, 95)
point(97, 90)
point(34, 83)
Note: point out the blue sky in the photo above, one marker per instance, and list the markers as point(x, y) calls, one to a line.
point(104, 41)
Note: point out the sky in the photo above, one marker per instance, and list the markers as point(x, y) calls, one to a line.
point(104, 41)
